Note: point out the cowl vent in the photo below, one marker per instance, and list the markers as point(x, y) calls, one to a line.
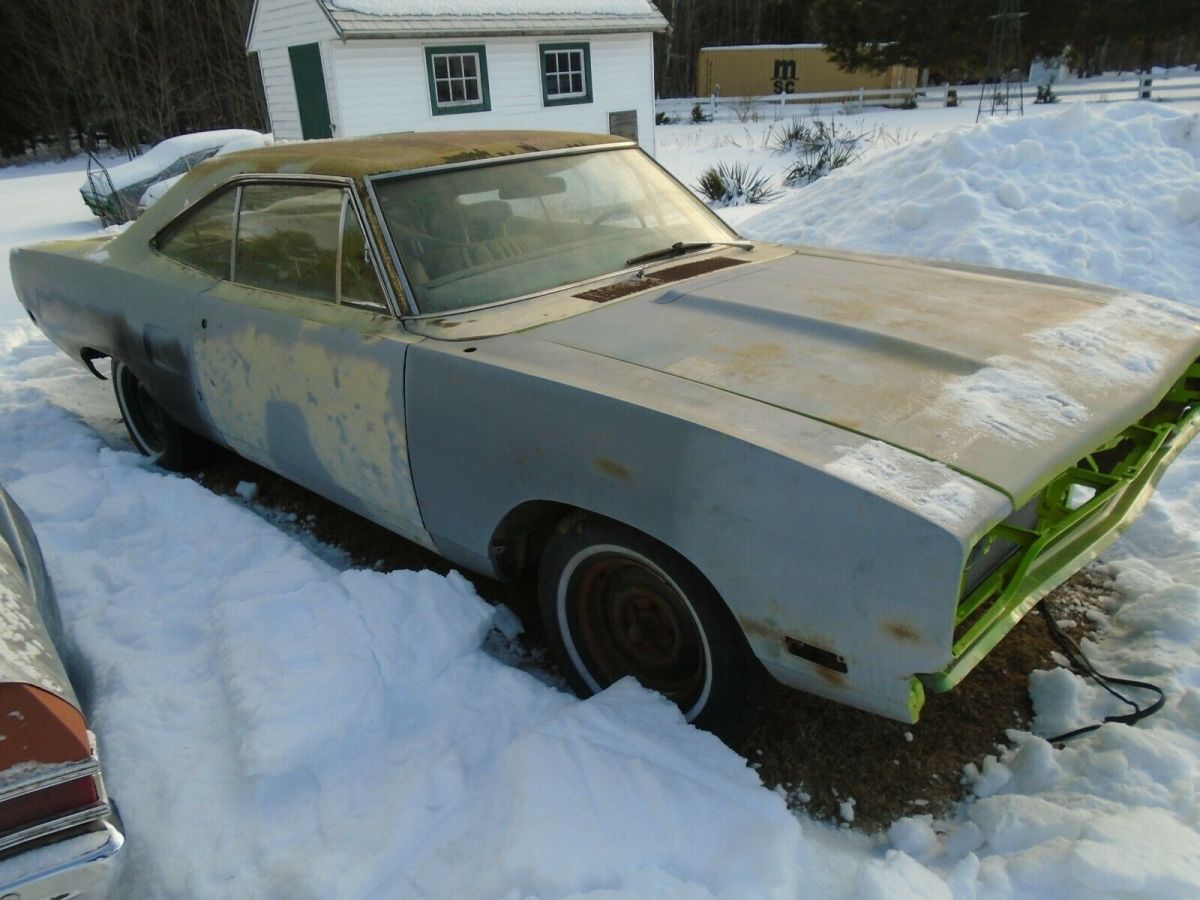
point(657, 279)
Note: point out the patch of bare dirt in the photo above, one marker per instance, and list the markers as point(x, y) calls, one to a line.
point(822, 754)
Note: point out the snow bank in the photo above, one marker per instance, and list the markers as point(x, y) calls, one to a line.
point(1106, 194)
point(274, 726)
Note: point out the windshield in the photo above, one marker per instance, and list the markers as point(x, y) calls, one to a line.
point(473, 236)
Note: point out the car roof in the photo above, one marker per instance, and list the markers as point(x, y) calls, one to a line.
point(377, 154)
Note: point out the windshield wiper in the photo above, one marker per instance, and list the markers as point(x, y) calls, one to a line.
point(680, 247)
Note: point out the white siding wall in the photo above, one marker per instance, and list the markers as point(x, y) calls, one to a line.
point(382, 86)
point(281, 24)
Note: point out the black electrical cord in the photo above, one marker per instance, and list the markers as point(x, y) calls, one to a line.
point(1081, 666)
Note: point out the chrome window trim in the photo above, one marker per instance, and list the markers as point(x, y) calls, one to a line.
point(500, 160)
point(237, 226)
point(417, 315)
point(392, 304)
point(339, 253)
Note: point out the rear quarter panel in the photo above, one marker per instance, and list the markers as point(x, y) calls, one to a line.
point(121, 299)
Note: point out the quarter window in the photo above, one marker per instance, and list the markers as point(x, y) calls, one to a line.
point(287, 239)
point(203, 239)
point(566, 74)
point(458, 81)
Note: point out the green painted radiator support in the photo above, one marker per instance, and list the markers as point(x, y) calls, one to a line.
point(1070, 529)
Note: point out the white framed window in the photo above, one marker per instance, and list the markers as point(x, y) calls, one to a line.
point(458, 80)
point(566, 74)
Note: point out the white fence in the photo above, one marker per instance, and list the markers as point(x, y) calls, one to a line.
point(1135, 87)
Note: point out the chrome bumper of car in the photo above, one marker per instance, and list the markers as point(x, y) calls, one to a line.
point(75, 868)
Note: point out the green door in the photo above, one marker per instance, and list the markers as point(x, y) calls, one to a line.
point(310, 91)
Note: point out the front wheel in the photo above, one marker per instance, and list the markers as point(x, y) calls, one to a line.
point(151, 428)
point(617, 602)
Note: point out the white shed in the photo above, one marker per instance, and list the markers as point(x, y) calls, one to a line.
point(353, 67)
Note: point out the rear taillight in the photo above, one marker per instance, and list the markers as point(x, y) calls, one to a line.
point(49, 776)
point(48, 803)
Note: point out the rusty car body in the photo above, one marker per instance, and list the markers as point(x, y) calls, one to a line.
point(59, 834)
point(537, 353)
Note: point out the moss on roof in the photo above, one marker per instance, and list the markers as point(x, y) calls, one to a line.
point(373, 155)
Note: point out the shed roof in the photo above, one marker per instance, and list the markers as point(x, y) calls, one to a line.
point(461, 18)
point(399, 152)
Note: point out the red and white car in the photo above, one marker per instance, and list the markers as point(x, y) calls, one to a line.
point(60, 836)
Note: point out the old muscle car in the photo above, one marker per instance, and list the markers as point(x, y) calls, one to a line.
point(59, 834)
point(538, 354)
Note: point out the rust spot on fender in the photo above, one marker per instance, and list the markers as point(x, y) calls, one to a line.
point(903, 632)
point(761, 629)
point(831, 677)
point(613, 469)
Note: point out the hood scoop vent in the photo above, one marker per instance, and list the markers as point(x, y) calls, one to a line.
point(640, 283)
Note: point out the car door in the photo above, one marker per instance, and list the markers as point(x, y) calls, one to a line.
point(298, 359)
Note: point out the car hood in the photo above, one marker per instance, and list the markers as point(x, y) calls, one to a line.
point(1007, 378)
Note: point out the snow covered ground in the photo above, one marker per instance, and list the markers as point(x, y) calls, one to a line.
point(275, 724)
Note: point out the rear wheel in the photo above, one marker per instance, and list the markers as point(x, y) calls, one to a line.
point(617, 602)
point(151, 428)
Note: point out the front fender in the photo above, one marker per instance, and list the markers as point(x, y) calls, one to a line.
point(804, 557)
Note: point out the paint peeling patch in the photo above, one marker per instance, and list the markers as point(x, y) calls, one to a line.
point(1119, 341)
point(932, 490)
point(1009, 400)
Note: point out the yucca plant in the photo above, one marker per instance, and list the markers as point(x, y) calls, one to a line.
point(735, 184)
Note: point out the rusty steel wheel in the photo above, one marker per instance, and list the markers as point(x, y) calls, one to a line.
point(151, 428)
point(618, 603)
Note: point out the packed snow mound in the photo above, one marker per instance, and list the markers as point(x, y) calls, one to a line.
point(1109, 195)
point(273, 726)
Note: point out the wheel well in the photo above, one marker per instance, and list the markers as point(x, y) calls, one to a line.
point(519, 539)
point(89, 357)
